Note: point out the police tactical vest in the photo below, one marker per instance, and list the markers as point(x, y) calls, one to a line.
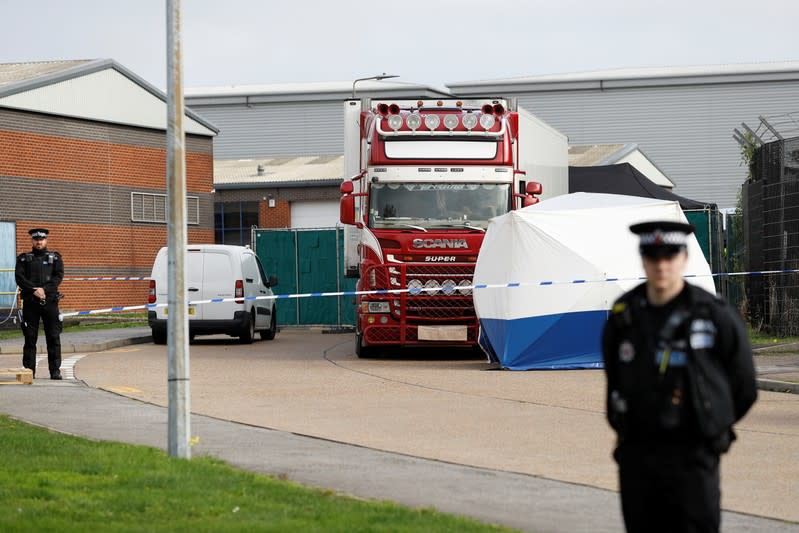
point(41, 273)
point(658, 399)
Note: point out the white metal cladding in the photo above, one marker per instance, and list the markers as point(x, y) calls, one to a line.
point(106, 95)
point(685, 130)
point(276, 129)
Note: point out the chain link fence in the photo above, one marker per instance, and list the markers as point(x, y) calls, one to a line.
point(771, 232)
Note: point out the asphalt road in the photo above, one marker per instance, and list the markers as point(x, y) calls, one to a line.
point(444, 406)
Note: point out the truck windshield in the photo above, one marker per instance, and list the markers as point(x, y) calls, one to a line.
point(436, 205)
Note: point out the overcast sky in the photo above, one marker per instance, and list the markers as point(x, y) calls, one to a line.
point(235, 42)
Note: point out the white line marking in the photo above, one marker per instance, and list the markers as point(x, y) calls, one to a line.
point(67, 366)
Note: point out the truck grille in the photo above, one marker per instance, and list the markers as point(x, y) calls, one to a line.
point(435, 290)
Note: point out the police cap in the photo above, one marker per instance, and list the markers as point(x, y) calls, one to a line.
point(38, 233)
point(662, 238)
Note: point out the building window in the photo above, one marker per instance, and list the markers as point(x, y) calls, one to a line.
point(233, 222)
point(150, 207)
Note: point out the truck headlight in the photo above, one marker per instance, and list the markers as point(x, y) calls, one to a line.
point(462, 284)
point(431, 287)
point(415, 286)
point(375, 307)
point(448, 287)
point(432, 122)
point(487, 121)
point(395, 122)
point(413, 121)
point(469, 121)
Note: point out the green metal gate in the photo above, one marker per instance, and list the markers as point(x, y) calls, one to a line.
point(710, 237)
point(306, 261)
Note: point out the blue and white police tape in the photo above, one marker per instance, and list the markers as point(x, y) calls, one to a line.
point(415, 291)
point(111, 278)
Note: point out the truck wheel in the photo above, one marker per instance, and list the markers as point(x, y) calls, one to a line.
point(248, 333)
point(361, 351)
point(269, 334)
point(159, 336)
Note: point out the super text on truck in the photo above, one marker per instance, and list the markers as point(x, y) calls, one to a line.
point(427, 175)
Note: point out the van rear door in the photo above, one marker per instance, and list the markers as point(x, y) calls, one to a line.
point(219, 281)
point(194, 281)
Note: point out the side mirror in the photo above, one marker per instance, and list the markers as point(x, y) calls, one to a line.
point(272, 281)
point(527, 201)
point(346, 187)
point(347, 209)
point(533, 187)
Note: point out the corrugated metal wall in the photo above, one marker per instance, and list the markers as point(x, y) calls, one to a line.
point(276, 129)
point(685, 130)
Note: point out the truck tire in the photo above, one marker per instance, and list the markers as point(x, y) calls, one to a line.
point(361, 351)
point(159, 336)
point(269, 334)
point(248, 332)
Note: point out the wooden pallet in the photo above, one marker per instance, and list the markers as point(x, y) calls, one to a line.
point(22, 376)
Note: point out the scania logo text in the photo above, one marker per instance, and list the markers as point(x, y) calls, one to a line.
point(440, 243)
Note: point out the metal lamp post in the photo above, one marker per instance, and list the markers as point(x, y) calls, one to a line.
point(379, 77)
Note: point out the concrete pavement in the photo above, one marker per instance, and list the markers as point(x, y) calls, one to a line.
point(527, 502)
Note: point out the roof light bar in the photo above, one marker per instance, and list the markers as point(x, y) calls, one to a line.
point(451, 122)
point(413, 121)
point(469, 121)
point(432, 122)
point(487, 121)
point(395, 122)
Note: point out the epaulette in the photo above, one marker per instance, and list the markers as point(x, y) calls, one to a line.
point(621, 314)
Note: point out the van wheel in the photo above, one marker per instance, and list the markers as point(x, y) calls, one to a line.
point(159, 336)
point(248, 334)
point(269, 334)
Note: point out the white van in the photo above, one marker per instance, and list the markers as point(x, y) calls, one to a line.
point(217, 271)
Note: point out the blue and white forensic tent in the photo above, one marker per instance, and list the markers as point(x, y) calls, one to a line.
point(572, 256)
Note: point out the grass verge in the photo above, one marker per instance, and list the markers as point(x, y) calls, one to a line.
point(772, 344)
point(99, 322)
point(55, 482)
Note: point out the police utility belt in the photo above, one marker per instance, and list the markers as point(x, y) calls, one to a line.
point(690, 390)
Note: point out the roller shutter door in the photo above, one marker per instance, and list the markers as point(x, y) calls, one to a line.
point(315, 214)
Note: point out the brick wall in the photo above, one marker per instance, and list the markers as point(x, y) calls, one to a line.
point(274, 217)
point(41, 156)
point(93, 250)
point(74, 177)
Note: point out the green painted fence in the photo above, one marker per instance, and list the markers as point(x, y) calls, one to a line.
point(307, 260)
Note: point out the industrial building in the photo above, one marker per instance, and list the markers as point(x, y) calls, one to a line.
point(674, 124)
point(83, 153)
point(681, 117)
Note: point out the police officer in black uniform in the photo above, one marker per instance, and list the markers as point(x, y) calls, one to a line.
point(39, 273)
point(679, 374)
